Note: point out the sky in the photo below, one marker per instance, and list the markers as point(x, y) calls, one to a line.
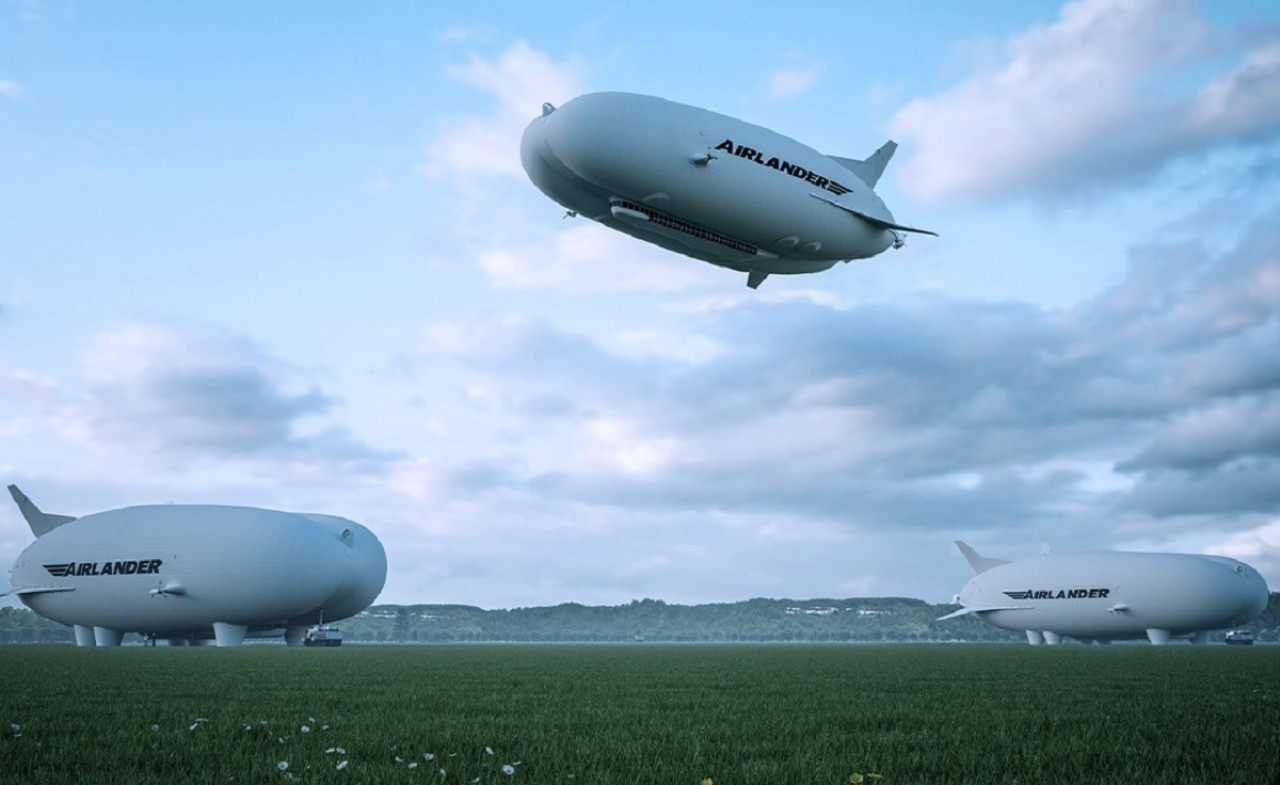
point(284, 255)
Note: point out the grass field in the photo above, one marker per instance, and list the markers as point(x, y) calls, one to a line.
point(640, 714)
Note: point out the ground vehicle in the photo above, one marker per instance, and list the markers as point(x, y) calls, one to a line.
point(1240, 638)
point(322, 635)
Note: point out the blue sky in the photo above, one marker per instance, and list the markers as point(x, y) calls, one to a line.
point(285, 256)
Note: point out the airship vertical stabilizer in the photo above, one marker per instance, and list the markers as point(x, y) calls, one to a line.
point(977, 561)
point(41, 523)
point(870, 170)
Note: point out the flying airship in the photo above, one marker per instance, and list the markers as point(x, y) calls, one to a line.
point(1112, 595)
point(191, 573)
point(709, 186)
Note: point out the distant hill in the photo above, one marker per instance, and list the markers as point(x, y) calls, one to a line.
point(861, 619)
point(759, 620)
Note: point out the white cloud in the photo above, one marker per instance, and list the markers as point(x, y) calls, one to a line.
point(165, 392)
point(1214, 434)
point(1261, 543)
point(870, 412)
point(1089, 99)
point(1244, 100)
point(680, 346)
point(790, 82)
point(627, 446)
point(521, 79)
point(587, 257)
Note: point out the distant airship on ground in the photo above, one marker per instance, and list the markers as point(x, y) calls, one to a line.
point(191, 573)
point(1112, 595)
point(709, 186)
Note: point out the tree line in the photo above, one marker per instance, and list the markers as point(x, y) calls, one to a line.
point(878, 619)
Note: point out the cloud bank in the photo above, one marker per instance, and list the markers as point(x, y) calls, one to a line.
point(1099, 97)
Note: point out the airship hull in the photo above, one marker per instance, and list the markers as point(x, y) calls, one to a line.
point(200, 571)
point(1115, 596)
point(706, 185)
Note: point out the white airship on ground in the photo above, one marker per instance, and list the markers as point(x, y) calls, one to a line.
point(709, 186)
point(189, 573)
point(1112, 595)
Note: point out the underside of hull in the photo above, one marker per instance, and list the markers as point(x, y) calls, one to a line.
point(221, 634)
point(676, 235)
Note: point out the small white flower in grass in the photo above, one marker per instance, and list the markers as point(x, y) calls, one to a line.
point(194, 725)
point(306, 728)
point(399, 759)
point(342, 764)
point(488, 750)
point(442, 772)
point(312, 720)
point(155, 726)
point(508, 769)
point(413, 765)
point(429, 755)
point(283, 765)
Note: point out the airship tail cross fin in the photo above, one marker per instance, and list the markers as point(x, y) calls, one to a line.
point(869, 171)
point(977, 561)
point(41, 523)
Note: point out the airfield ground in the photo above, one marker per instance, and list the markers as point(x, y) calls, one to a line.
point(641, 713)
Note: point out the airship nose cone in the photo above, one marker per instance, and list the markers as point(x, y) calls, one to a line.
point(532, 143)
point(1245, 586)
point(537, 157)
point(1255, 595)
point(591, 138)
point(360, 570)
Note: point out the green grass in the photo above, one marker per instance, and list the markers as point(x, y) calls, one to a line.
point(640, 714)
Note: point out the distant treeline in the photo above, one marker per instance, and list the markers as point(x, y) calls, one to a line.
point(757, 620)
point(878, 619)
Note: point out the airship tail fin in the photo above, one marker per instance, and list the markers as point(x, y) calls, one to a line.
point(41, 523)
point(25, 590)
point(978, 610)
point(869, 171)
point(875, 220)
point(977, 561)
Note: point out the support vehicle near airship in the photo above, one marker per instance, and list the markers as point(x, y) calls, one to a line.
point(194, 573)
point(709, 186)
point(1112, 596)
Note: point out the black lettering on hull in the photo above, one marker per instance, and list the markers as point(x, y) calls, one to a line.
point(786, 167)
point(1059, 594)
point(93, 568)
